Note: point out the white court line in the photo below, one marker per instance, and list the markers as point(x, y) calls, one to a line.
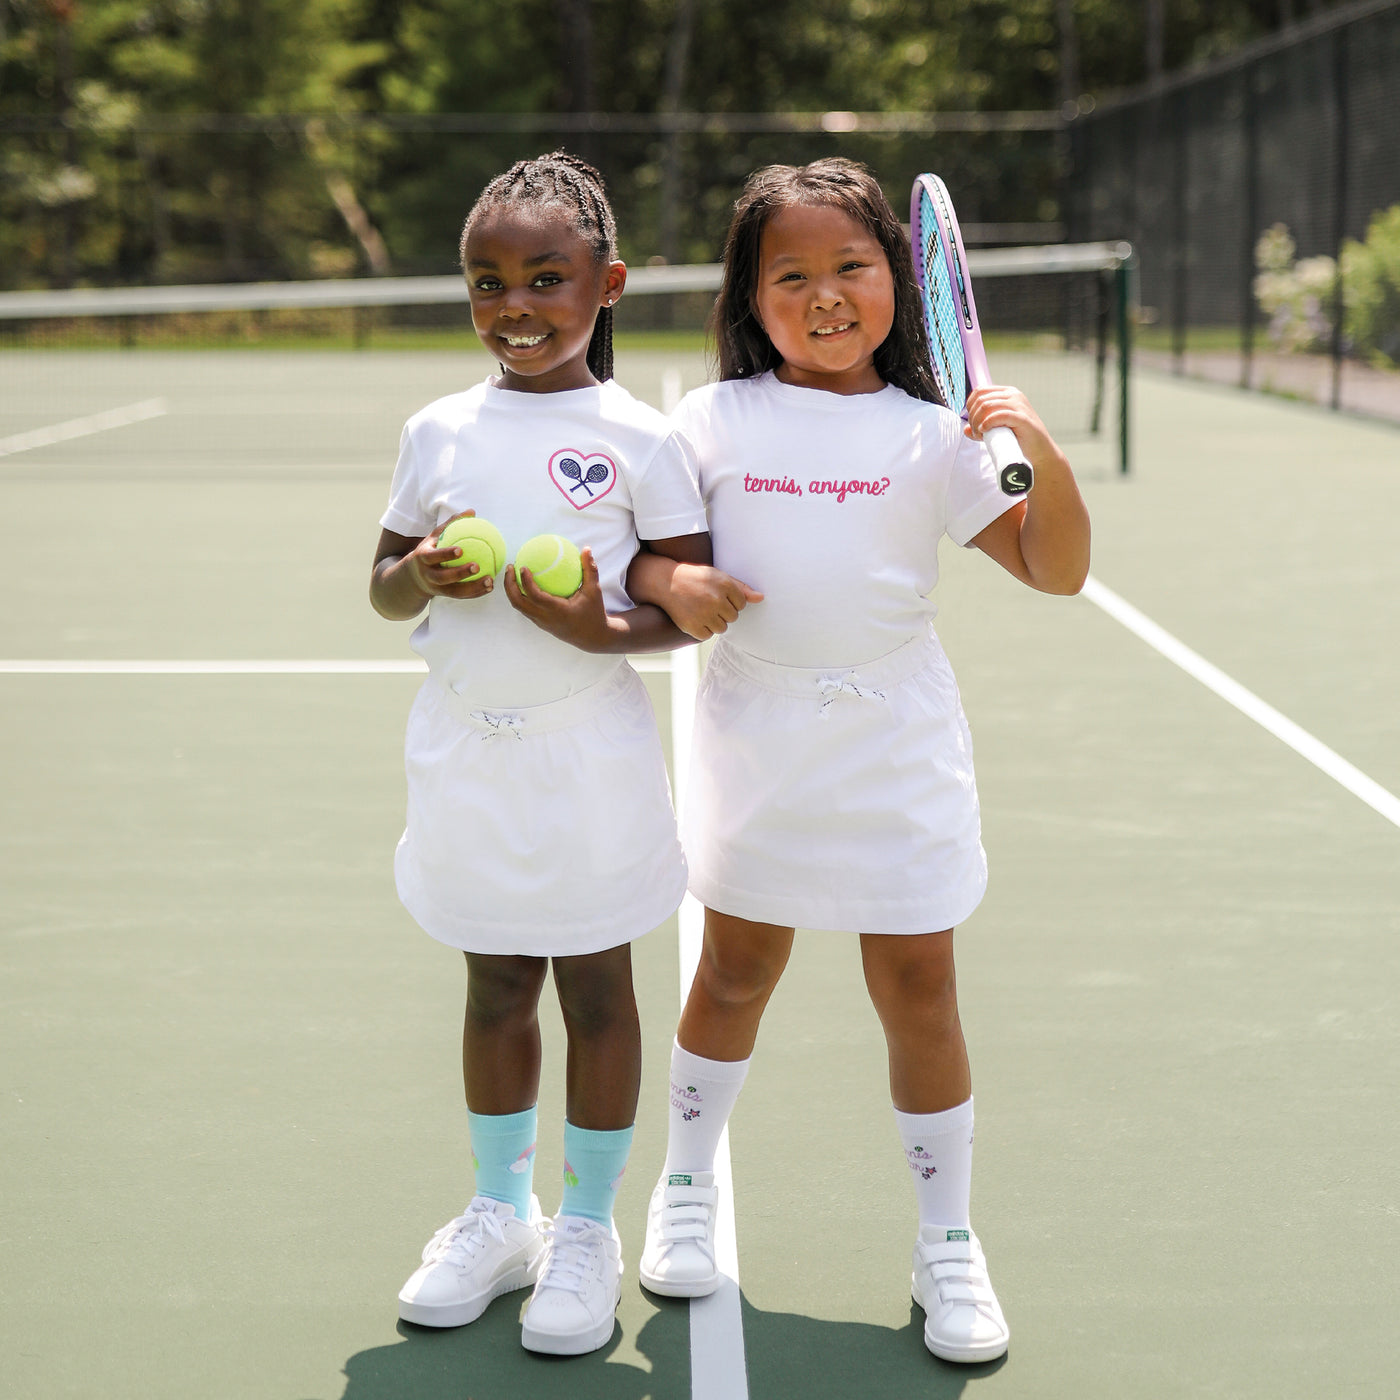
point(246, 668)
point(717, 1367)
point(1246, 701)
point(84, 427)
point(210, 668)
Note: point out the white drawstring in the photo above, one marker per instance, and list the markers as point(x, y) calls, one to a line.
point(498, 726)
point(829, 687)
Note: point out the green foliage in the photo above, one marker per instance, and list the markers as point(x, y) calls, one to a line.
point(112, 168)
point(1371, 289)
point(1297, 296)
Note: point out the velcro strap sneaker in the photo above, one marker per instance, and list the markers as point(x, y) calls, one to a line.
point(962, 1318)
point(678, 1259)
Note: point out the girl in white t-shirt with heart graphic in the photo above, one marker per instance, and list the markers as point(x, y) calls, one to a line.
point(832, 783)
point(539, 829)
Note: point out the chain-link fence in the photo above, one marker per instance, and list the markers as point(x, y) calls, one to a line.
point(1262, 195)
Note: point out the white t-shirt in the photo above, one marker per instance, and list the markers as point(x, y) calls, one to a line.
point(832, 507)
point(593, 465)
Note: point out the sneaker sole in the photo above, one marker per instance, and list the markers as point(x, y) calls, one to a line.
point(571, 1343)
point(963, 1356)
point(679, 1288)
point(459, 1314)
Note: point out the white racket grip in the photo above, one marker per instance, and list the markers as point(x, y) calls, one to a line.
point(1013, 467)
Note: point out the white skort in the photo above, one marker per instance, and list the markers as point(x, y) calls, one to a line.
point(545, 831)
point(835, 799)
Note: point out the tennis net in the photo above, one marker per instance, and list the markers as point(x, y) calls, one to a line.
point(1055, 319)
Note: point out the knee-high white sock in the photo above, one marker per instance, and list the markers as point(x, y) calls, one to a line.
point(938, 1147)
point(703, 1094)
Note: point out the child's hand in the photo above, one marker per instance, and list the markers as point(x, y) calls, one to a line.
point(1000, 406)
point(703, 601)
point(434, 572)
point(581, 620)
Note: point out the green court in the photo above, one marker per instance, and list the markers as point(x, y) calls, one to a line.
point(232, 1102)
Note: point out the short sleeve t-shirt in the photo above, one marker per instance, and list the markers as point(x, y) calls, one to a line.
point(594, 465)
point(832, 507)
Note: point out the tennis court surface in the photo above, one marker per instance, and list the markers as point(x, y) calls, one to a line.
point(232, 1108)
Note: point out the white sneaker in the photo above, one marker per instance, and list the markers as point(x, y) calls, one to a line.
point(478, 1256)
point(575, 1300)
point(963, 1319)
point(678, 1260)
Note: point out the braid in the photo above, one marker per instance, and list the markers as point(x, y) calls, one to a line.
point(564, 179)
point(600, 348)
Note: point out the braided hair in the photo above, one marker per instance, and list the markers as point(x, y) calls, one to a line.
point(562, 179)
point(743, 345)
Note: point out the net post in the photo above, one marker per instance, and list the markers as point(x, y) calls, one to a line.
point(1341, 154)
point(1102, 294)
point(1180, 256)
point(1251, 223)
point(1122, 278)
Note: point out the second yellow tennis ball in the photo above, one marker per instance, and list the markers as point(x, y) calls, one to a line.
point(554, 564)
point(479, 540)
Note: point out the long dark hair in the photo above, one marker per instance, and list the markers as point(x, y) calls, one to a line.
point(743, 346)
point(563, 179)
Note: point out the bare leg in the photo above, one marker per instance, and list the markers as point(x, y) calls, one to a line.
point(740, 964)
point(501, 1033)
point(913, 986)
point(605, 1038)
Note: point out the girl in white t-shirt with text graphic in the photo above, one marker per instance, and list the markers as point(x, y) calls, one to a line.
point(540, 830)
point(832, 782)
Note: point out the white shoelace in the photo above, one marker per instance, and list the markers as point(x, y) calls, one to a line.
point(570, 1254)
point(459, 1240)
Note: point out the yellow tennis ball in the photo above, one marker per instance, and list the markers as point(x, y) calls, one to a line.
point(481, 544)
point(554, 563)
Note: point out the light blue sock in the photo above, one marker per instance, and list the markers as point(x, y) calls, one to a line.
point(593, 1167)
point(503, 1153)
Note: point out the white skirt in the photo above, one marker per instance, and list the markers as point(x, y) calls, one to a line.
point(546, 831)
point(838, 799)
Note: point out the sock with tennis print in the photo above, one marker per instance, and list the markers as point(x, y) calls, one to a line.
point(703, 1095)
point(938, 1148)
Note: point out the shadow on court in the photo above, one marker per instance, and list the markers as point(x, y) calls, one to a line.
point(788, 1356)
point(486, 1362)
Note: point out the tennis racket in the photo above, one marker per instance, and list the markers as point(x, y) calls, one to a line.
point(950, 316)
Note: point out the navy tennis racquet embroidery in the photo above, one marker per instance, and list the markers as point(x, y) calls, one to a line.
point(585, 481)
point(582, 477)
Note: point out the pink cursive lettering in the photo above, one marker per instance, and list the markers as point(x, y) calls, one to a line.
point(779, 485)
point(842, 489)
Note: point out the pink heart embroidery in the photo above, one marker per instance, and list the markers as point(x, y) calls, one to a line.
point(582, 477)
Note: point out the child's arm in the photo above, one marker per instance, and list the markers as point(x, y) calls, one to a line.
point(583, 619)
point(1044, 539)
point(702, 601)
point(408, 572)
